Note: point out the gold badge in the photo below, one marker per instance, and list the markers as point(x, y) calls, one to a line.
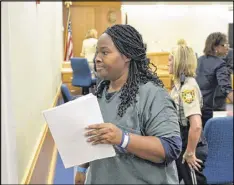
point(188, 96)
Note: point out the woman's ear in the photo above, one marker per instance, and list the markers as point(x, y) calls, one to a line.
point(216, 49)
point(126, 59)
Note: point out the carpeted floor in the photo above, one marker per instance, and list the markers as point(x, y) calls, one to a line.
point(63, 175)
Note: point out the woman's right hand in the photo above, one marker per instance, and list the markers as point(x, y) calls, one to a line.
point(80, 178)
point(192, 161)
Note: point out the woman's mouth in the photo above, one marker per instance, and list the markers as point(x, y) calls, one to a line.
point(99, 68)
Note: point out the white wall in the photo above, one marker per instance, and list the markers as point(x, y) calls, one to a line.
point(162, 25)
point(36, 54)
point(8, 137)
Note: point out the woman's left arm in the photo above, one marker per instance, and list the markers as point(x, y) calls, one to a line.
point(190, 96)
point(162, 142)
point(146, 147)
point(194, 133)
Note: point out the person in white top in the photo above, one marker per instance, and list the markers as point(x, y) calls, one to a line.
point(89, 47)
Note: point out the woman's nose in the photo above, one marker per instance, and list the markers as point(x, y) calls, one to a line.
point(97, 58)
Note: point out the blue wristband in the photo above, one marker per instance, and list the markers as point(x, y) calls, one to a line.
point(81, 169)
point(122, 140)
point(128, 136)
point(125, 140)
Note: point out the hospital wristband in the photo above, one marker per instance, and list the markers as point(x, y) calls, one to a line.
point(81, 169)
point(125, 140)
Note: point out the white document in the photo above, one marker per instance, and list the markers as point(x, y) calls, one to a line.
point(67, 124)
point(219, 114)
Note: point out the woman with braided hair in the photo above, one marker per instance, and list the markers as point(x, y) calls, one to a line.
point(140, 118)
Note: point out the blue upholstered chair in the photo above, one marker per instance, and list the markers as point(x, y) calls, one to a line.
point(67, 96)
point(82, 75)
point(219, 164)
point(66, 93)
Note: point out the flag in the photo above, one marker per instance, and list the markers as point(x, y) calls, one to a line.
point(68, 43)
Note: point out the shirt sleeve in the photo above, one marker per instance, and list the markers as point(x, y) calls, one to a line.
point(160, 119)
point(229, 61)
point(172, 147)
point(160, 115)
point(223, 78)
point(190, 100)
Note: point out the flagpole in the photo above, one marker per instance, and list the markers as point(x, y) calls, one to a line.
point(126, 18)
point(67, 3)
point(65, 40)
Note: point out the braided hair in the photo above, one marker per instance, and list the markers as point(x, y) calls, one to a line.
point(129, 42)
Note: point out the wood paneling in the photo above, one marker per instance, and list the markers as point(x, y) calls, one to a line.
point(66, 64)
point(102, 18)
point(41, 171)
point(159, 59)
point(67, 77)
point(89, 15)
point(167, 81)
point(83, 19)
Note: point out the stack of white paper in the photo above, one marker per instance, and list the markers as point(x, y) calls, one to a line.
point(67, 124)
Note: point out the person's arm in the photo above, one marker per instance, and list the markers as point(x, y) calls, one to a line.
point(146, 147)
point(190, 96)
point(194, 133)
point(152, 148)
point(81, 173)
point(229, 60)
point(224, 80)
point(191, 99)
point(230, 96)
point(82, 168)
point(162, 142)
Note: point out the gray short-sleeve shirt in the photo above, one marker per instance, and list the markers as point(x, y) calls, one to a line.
point(154, 114)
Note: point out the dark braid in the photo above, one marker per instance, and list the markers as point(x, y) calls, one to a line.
point(129, 42)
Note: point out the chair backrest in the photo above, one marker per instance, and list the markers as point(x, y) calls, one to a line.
point(81, 72)
point(219, 164)
point(66, 93)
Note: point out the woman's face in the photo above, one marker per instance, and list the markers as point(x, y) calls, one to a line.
point(170, 64)
point(222, 49)
point(110, 63)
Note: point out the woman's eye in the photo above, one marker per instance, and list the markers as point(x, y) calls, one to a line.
point(104, 53)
